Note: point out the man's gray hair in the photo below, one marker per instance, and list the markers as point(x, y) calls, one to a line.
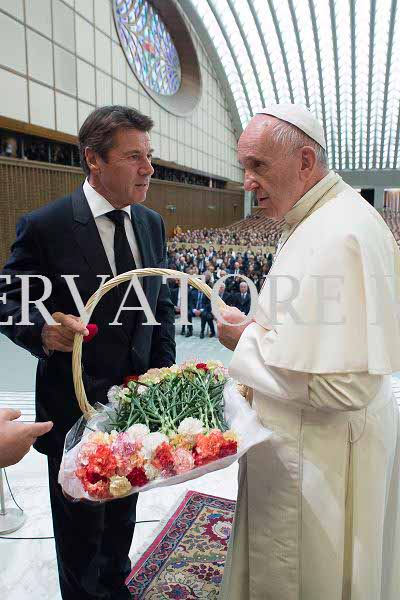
point(292, 138)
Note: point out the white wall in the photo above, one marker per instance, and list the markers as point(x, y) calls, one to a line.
point(61, 58)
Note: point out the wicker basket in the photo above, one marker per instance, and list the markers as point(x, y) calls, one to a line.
point(91, 304)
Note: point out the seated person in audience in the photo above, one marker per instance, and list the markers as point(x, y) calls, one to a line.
point(16, 438)
point(236, 270)
point(213, 276)
point(201, 263)
point(225, 295)
point(242, 299)
point(221, 269)
point(181, 264)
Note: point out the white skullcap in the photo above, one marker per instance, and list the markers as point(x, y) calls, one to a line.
point(298, 115)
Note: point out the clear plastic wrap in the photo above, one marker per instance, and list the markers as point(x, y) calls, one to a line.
point(244, 426)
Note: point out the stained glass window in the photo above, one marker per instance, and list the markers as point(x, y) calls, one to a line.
point(148, 46)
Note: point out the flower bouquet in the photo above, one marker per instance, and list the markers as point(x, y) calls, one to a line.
point(161, 428)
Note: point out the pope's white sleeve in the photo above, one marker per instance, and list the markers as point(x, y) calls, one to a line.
point(248, 367)
point(333, 391)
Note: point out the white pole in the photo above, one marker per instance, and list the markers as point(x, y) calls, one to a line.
point(2, 500)
point(10, 519)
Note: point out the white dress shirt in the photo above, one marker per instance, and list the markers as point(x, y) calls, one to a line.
point(100, 207)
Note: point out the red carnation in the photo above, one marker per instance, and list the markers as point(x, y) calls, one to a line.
point(93, 483)
point(202, 366)
point(228, 448)
point(137, 477)
point(93, 477)
point(164, 459)
point(199, 460)
point(129, 378)
point(93, 331)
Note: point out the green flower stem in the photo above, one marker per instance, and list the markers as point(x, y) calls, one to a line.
point(163, 406)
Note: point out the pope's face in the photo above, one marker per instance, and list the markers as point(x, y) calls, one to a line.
point(269, 171)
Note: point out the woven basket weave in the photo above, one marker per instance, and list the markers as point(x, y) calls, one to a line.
point(91, 304)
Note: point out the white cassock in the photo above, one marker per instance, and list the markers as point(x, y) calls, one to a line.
point(318, 513)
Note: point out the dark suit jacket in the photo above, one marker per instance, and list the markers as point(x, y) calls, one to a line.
point(242, 305)
point(62, 238)
point(193, 294)
point(227, 298)
point(174, 294)
point(205, 305)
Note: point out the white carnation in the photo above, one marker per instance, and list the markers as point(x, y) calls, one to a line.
point(190, 426)
point(151, 443)
point(151, 471)
point(137, 432)
point(215, 364)
point(113, 394)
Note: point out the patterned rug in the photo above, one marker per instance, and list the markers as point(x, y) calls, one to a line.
point(187, 558)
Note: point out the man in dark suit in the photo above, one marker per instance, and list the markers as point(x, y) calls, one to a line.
point(100, 229)
point(242, 299)
point(225, 295)
point(202, 309)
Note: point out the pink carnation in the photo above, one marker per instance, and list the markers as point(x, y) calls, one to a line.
point(124, 449)
point(123, 446)
point(85, 452)
point(183, 461)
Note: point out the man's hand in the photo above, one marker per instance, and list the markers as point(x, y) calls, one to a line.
point(61, 337)
point(229, 335)
point(17, 438)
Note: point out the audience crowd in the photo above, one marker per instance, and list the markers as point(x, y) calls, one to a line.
point(228, 236)
point(214, 265)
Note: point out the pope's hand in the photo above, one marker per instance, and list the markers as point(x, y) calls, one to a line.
point(16, 438)
point(61, 337)
point(229, 335)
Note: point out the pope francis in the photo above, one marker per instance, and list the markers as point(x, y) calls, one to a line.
point(318, 513)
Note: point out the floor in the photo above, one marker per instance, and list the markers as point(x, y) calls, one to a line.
point(28, 564)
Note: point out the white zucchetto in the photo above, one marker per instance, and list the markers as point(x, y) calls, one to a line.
point(298, 115)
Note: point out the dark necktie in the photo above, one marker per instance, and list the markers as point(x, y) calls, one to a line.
point(124, 260)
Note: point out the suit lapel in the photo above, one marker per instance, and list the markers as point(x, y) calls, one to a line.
point(144, 244)
point(87, 235)
point(142, 238)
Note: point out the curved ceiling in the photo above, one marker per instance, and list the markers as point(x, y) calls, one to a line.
point(339, 57)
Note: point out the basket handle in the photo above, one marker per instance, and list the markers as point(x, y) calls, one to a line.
point(91, 304)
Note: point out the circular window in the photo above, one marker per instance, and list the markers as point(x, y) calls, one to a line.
point(160, 52)
point(148, 46)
